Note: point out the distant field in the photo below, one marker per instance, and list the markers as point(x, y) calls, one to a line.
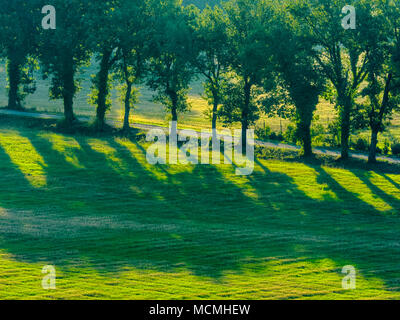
point(152, 113)
point(116, 227)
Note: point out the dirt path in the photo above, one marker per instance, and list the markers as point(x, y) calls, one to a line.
point(321, 151)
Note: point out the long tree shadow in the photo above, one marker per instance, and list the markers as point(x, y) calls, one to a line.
point(114, 211)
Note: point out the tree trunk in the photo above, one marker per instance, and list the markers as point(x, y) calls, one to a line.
point(372, 147)
point(214, 116)
point(174, 114)
point(244, 134)
point(305, 128)
point(68, 90)
point(214, 119)
point(245, 111)
point(345, 129)
point(14, 78)
point(215, 109)
point(102, 87)
point(126, 126)
point(376, 123)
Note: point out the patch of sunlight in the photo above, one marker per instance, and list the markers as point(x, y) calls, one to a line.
point(111, 155)
point(253, 279)
point(382, 183)
point(176, 236)
point(3, 212)
point(305, 178)
point(24, 156)
point(139, 155)
point(300, 279)
point(66, 146)
point(350, 182)
point(393, 178)
point(228, 172)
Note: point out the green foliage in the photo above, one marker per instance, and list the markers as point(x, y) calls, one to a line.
point(361, 144)
point(66, 49)
point(170, 64)
point(247, 29)
point(234, 102)
point(332, 138)
point(133, 96)
point(210, 58)
point(93, 98)
point(27, 81)
point(104, 34)
point(297, 79)
point(19, 34)
point(396, 149)
point(386, 146)
point(262, 132)
point(201, 3)
point(318, 133)
point(291, 135)
point(341, 54)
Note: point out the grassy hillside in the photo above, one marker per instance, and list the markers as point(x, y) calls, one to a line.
point(116, 227)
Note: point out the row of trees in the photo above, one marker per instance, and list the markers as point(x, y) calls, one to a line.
point(255, 56)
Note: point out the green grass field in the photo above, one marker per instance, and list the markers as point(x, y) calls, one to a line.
point(116, 227)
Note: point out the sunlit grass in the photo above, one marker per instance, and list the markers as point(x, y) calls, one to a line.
point(306, 180)
point(23, 154)
point(319, 279)
point(117, 227)
point(66, 146)
point(349, 181)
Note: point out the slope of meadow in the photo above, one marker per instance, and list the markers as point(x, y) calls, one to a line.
point(116, 227)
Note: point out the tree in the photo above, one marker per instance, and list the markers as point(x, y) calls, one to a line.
point(19, 30)
point(104, 35)
point(247, 29)
point(172, 50)
point(64, 50)
point(383, 87)
point(297, 79)
point(342, 55)
point(134, 31)
point(211, 44)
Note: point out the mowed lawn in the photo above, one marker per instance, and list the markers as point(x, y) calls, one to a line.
point(116, 227)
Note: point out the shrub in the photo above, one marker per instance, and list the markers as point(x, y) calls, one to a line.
point(263, 133)
point(276, 136)
point(361, 145)
point(290, 135)
point(396, 149)
point(318, 133)
point(332, 138)
point(386, 147)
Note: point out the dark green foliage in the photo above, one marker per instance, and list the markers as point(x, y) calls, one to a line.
point(201, 3)
point(172, 50)
point(64, 50)
point(248, 26)
point(133, 34)
point(382, 90)
point(297, 80)
point(361, 145)
point(341, 54)
point(396, 149)
point(104, 35)
point(211, 56)
point(263, 132)
point(19, 30)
